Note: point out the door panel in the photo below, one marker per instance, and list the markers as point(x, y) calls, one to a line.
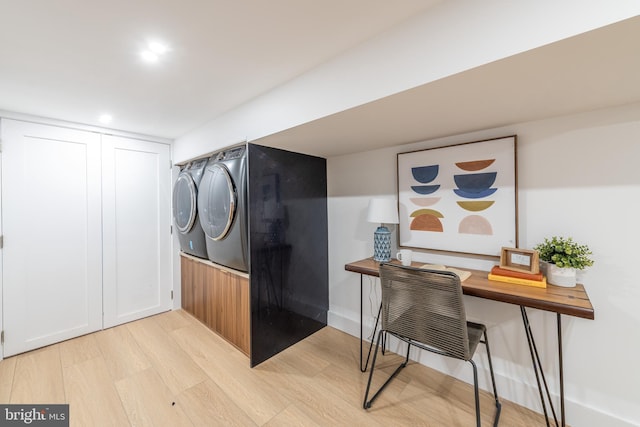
point(1, 256)
point(52, 260)
point(136, 224)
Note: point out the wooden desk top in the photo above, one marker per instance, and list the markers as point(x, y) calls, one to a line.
point(570, 301)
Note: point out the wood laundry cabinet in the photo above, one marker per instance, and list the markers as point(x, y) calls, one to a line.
point(218, 297)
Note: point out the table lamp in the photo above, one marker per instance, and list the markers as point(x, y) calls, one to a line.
point(383, 211)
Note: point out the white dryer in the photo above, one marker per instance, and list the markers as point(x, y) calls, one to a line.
point(185, 209)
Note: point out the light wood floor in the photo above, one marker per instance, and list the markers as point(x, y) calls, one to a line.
point(170, 370)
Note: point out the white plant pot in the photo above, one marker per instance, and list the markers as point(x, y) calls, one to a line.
point(561, 276)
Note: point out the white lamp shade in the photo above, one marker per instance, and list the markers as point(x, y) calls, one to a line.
point(382, 211)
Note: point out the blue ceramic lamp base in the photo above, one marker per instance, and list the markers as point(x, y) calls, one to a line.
point(382, 244)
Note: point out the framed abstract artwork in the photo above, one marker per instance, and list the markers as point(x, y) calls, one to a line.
point(459, 198)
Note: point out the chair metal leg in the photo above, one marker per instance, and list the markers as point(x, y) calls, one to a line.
point(384, 337)
point(476, 393)
point(496, 418)
point(367, 404)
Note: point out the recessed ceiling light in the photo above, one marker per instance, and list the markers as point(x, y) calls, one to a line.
point(149, 56)
point(154, 51)
point(105, 118)
point(157, 48)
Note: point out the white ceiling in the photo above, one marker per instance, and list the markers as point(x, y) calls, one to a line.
point(76, 59)
point(597, 69)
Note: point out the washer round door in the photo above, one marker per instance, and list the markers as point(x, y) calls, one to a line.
point(217, 199)
point(184, 203)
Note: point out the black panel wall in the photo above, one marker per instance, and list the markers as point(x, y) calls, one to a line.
point(288, 246)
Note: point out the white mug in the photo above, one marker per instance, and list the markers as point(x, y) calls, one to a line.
point(405, 256)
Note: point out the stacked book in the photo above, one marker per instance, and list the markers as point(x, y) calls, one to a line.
point(518, 277)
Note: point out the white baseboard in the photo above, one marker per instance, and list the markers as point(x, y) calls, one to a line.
point(512, 389)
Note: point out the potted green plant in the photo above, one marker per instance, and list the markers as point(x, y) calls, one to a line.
point(563, 257)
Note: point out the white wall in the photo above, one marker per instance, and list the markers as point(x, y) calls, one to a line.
point(449, 38)
point(578, 176)
point(1, 255)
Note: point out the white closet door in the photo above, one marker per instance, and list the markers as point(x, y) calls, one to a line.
point(136, 229)
point(1, 304)
point(52, 256)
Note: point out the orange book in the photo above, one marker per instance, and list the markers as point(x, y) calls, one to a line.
point(497, 271)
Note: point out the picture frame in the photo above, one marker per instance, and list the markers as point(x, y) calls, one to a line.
point(521, 260)
point(459, 198)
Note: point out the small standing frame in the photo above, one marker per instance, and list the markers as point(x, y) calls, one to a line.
point(522, 260)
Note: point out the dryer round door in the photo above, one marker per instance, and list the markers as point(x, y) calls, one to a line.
point(184, 203)
point(217, 201)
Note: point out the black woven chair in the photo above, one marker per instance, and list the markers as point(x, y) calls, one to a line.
point(424, 308)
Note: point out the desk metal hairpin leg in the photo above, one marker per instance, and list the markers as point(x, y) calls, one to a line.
point(537, 368)
point(363, 368)
point(561, 372)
